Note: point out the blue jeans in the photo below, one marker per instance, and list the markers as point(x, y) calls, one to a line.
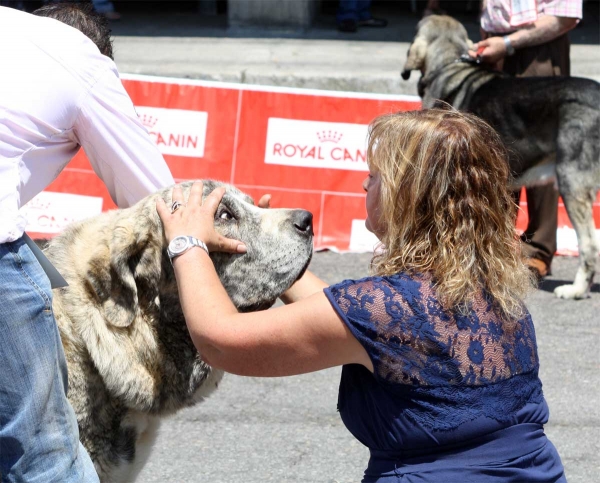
point(103, 6)
point(354, 10)
point(39, 438)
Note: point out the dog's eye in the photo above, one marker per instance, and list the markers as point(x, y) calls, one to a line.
point(226, 216)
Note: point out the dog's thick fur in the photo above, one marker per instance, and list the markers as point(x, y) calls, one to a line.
point(129, 355)
point(550, 124)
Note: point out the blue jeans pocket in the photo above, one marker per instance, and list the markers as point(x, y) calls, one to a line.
point(32, 274)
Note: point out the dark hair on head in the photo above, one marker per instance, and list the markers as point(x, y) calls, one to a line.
point(83, 17)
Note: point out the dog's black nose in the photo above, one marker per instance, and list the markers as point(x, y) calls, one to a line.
point(302, 221)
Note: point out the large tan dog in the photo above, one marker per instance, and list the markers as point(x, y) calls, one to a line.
point(129, 355)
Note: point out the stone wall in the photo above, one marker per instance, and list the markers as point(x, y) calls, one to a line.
point(271, 13)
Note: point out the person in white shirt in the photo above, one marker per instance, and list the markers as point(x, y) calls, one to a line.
point(57, 93)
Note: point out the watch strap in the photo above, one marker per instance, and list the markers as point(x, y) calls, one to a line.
point(198, 243)
point(193, 242)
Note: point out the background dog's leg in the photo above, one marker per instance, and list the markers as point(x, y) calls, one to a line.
point(580, 212)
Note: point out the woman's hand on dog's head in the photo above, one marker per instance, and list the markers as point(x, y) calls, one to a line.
point(196, 218)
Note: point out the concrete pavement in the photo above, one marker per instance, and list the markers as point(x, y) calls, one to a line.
point(287, 430)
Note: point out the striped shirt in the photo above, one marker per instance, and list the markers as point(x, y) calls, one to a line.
point(503, 16)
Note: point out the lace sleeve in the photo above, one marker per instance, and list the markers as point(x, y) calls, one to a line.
point(367, 306)
point(412, 340)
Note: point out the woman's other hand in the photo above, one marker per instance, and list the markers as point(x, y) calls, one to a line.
point(265, 201)
point(196, 218)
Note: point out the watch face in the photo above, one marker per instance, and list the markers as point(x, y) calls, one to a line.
point(178, 244)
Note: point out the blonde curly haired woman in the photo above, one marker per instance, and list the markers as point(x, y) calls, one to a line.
point(440, 366)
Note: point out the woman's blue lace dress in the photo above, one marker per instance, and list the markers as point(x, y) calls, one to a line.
point(453, 398)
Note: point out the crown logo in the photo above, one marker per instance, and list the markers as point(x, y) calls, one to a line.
point(329, 136)
point(148, 120)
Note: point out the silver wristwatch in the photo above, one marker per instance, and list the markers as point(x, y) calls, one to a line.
point(510, 50)
point(181, 244)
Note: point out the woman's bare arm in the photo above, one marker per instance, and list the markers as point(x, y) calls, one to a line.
point(301, 337)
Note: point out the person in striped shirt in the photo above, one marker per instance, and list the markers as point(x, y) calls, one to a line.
point(529, 38)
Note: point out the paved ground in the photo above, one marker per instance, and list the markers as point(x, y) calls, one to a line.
point(288, 430)
point(200, 47)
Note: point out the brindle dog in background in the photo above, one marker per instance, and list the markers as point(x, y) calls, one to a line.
point(130, 358)
point(550, 124)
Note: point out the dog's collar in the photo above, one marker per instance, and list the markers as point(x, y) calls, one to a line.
point(425, 81)
point(463, 59)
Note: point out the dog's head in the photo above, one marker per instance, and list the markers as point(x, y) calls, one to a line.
point(122, 300)
point(131, 270)
point(439, 39)
point(279, 247)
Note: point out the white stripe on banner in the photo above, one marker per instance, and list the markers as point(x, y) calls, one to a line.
point(261, 88)
point(51, 212)
point(361, 239)
point(566, 241)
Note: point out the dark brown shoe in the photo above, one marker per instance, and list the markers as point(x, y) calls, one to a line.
point(539, 268)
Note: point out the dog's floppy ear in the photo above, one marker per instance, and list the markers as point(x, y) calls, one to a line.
point(122, 280)
point(415, 59)
point(133, 257)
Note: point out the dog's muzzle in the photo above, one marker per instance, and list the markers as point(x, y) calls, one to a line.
point(302, 221)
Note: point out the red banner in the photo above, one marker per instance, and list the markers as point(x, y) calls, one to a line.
point(305, 147)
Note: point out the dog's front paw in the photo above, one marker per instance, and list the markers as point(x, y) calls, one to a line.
point(572, 292)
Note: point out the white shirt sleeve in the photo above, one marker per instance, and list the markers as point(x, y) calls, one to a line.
point(117, 144)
